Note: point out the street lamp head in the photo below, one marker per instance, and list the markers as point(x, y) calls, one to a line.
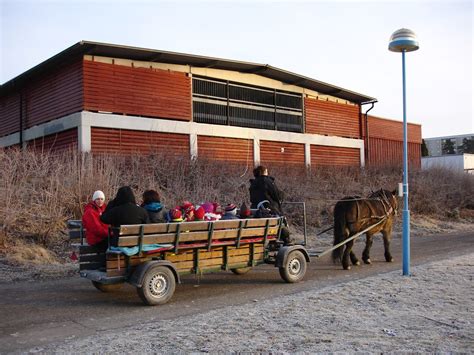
point(403, 40)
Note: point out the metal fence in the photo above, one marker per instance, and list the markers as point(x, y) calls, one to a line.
point(227, 103)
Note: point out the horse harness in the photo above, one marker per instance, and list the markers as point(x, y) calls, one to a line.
point(386, 205)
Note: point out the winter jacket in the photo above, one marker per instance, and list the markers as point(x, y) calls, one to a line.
point(229, 216)
point(156, 212)
point(125, 210)
point(96, 231)
point(264, 188)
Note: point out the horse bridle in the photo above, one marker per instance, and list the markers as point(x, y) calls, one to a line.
point(384, 199)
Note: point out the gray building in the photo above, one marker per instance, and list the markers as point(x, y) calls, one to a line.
point(438, 146)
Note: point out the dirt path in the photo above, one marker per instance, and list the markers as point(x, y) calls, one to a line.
point(69, 311)
point(431, 311)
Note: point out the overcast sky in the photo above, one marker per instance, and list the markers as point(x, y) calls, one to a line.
point(343, 43)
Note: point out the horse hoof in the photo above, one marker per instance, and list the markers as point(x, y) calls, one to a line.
point(389, 260)
point(357, 263)
point(367, 261)
point(347, 267)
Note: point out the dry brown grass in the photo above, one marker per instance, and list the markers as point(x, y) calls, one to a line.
point(42, 191)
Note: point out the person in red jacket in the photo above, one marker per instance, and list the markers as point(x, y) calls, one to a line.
point(96, 231)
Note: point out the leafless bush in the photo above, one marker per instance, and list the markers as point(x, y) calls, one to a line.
point(42, 190)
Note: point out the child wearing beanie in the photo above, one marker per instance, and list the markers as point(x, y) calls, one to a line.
point(230, 212)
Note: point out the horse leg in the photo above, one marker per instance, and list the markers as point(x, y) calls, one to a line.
point(387, 236)
point(354, 259)
point(368, 245)
point(345, 256)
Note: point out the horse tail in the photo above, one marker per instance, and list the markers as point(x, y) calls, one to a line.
point(339, 227)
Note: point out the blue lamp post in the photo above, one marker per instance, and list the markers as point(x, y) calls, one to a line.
point(404, 40)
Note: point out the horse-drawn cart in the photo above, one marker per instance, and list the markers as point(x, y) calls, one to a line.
point(152, 257)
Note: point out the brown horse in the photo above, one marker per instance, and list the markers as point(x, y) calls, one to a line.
point(354, 214)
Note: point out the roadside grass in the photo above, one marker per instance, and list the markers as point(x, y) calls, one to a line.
point(41, 191)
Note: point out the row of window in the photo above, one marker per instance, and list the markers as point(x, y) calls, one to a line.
point(228, 103)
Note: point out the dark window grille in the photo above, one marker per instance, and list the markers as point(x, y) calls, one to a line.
point(288, 101)
point(219, 102)
point(287, 122)
point(243, 94)
point(205, 112)
point(210, 88)
point(245, 117)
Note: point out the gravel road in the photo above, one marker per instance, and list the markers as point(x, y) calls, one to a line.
point(430, 311)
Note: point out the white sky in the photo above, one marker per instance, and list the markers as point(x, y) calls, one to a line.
point(343, 43)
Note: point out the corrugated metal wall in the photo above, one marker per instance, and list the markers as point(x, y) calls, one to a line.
point(334, 156)
point(54, 142)
point(136, 91)
point(385, 145)
point(271, 153)
point(385, 152)
point(105, 140)
point(332, 118)
point(54, 95)
point(231, 150)
point(393, 130)
point(9, 114)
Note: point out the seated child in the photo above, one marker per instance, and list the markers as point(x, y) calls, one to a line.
point(230, 212)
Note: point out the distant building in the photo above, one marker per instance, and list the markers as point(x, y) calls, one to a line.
point(455, 162)
point(447, 145)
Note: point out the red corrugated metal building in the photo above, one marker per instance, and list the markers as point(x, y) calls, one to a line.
point(104, 98)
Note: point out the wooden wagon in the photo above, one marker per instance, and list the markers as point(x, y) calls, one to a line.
point(152, 257)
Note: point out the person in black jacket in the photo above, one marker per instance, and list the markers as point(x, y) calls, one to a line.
point(262, 188)
point(125, 210)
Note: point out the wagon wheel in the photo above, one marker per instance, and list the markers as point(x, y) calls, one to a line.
point(158, 286)
point(107, 287)
point(241, 270)
point(294, 267)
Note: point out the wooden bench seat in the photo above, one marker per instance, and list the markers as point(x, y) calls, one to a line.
point(190, 246)
point(184, 233)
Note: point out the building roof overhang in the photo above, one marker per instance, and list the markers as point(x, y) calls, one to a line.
point(152, 55)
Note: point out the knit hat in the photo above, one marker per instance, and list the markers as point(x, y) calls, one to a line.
point(98, 194)
point(176, 215)
point(231, 209)
point(199, 213)
point(187, 207)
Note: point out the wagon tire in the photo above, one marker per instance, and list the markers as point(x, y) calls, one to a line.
point(241, 270)
point(107, 288)
point(158, 286)
point(294, 267)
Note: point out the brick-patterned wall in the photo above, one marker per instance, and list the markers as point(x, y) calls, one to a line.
point(54, 142)
point(385, 152)
point(271, 153)
point(331, 118)
point(106, 140)
point(230, 150)
point(9, 114)
point(334, 156)
point(385, 145)
point(393, 130)
point(55, 94)
point(136, 91)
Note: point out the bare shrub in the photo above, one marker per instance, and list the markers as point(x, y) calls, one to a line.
point(42, 190)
